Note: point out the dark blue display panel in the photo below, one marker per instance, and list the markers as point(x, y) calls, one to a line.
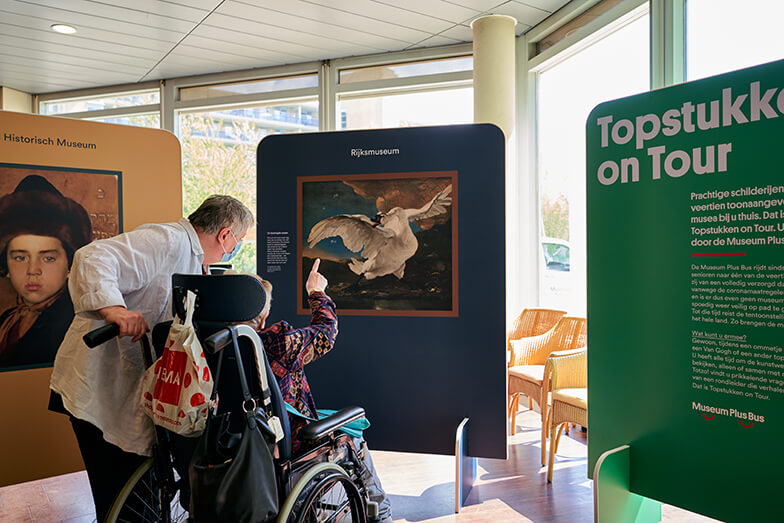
point(409, 224)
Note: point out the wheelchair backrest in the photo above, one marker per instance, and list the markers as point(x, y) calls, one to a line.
point(221, 301)
point(226, 298)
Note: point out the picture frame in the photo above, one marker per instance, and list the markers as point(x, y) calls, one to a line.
point(403, 230)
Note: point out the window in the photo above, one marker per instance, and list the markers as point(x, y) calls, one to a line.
point(267, 85)
point(408, 69)
point(436, 107)
point(221, 118)
point(101, 102)
point(140, 108)
point(615, 66)
point(219, 155)
point(725, 35)
point(138, 120)
point(405, 94)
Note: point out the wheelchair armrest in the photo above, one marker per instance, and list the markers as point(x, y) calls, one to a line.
point(318, 429)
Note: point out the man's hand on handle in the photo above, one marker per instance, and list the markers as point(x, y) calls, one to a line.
point(316, 281)
point(131, 323)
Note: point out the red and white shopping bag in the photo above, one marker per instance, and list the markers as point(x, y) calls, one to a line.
point(175, 391)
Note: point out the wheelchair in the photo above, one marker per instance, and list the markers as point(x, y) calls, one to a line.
point(320, 482)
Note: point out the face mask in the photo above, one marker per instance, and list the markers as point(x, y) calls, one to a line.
point(227, 256)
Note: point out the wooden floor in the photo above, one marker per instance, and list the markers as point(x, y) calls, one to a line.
point(420, 487)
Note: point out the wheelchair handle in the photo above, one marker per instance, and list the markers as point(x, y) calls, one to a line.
point(217, 341)
point(101, 335)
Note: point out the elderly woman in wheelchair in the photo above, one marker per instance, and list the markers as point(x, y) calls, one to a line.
point(322, 468)
point(289, 350)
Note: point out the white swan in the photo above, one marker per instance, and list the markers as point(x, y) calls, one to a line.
point(386, 241)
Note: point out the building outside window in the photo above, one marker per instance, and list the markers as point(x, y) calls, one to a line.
point(437, 107)
point(567, 91)
point(725, 35)
point(425, 92)
point(137, 120)
point(138, 108)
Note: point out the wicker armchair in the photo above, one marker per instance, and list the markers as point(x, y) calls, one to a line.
point(567, 372)
point(530, 322)
point(529, 355)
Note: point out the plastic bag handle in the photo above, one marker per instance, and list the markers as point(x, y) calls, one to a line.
point(190, 307)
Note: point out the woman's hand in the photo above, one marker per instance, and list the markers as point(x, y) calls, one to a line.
point(131, 323)
point(316, 281)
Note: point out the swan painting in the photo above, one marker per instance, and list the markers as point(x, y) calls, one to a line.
point(386, 241)
point(385, 244)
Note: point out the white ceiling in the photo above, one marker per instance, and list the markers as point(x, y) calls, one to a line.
point(129, 41)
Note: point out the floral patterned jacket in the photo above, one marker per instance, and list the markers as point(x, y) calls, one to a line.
point(290, 349)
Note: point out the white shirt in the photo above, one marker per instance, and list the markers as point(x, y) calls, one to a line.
point(133, 270)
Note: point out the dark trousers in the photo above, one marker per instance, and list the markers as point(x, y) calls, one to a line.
point(108, 466)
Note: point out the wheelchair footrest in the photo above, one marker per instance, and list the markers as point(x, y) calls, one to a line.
point(318, 429)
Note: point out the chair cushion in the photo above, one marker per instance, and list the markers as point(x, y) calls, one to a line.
point(575, 397)
point(532, 373)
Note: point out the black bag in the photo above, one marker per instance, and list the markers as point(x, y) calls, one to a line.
point(232, 475)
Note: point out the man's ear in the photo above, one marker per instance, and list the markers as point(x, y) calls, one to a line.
point(223, 234)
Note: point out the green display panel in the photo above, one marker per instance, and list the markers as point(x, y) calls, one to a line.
point(685, 217)
point(613, 503)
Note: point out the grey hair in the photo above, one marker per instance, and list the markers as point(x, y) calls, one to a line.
point(219, 211)
point(268, 301)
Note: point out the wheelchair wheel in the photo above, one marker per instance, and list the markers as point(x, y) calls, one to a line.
point(141, 500)
point(333, 498)
point(324, 494)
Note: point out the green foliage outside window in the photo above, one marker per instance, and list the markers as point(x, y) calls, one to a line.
point(555, 217)
point(219, 157)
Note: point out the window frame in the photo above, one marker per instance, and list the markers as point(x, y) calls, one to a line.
point(388, 86)
point(328, 91)
point(594, 33)
point(667, 61)
point(527, 217)
point(81, 94)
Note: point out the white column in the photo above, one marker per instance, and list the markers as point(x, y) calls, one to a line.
point(494, 71)
point(494, 102)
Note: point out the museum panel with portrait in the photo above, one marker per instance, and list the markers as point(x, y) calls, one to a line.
point(46, 215)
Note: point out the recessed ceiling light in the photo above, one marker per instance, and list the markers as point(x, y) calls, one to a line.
point(62, 28)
